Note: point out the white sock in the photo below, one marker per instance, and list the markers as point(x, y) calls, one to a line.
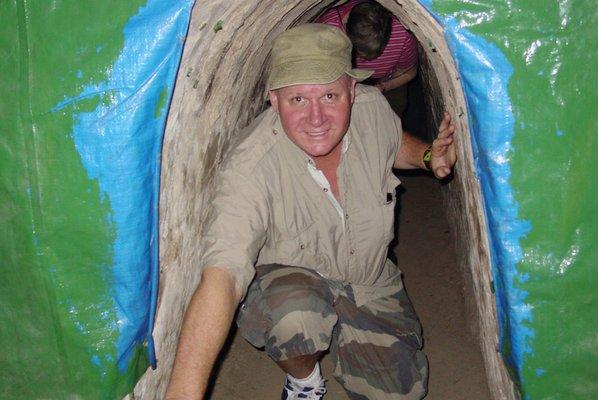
point(313, 380)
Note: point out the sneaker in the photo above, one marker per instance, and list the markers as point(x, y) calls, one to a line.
point(292, 392)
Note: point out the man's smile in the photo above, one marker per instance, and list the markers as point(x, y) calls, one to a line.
point(317, 133)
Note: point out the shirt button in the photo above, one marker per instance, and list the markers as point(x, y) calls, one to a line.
point(326, 189)
point(274, 131)
point(302, 246)
point(351, 251)
point(346, 216)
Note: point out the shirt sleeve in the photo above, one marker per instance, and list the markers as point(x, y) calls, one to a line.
point(392, 131)
point(235, 227)
point(372, 112)
point(409, 53)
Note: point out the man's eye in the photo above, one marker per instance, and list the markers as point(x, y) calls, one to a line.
point(297, 99)
point(329, 96)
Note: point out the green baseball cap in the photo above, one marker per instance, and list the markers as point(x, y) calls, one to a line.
point(311, 54)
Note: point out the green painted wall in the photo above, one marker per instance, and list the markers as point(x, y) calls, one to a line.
point(58, 330)
point(551, 46)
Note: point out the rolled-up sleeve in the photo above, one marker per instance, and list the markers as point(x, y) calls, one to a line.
point(235, 227)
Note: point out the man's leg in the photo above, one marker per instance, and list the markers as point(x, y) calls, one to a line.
point(289, 311)
point(378, 349)
point(300, 367)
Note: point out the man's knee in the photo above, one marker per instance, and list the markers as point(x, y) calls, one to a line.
point(300, 333)
point(309, 324)
point(290, 311)
point(305, 328)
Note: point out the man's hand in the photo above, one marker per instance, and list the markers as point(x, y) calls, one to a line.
point(444, 155)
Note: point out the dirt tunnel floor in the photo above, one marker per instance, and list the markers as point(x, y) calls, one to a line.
point(426, 257)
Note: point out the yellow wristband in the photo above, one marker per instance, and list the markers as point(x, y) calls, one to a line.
point(427, 158)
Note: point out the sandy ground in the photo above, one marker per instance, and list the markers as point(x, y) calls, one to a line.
point(426, 256)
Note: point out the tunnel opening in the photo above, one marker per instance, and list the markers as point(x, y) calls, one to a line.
point(220, 89)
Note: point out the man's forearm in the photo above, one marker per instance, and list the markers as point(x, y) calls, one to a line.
point(398, 80)
point(411, 152)
point(205, 327)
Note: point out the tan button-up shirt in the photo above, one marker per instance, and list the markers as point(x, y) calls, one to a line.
point(268, 208)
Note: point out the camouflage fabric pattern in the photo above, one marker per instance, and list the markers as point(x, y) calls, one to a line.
point(292, 311)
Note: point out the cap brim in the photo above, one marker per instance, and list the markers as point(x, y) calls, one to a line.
point(310, 72)
point(360, 74)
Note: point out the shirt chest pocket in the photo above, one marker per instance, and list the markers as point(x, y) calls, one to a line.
point(297, 239)
point(293, 232)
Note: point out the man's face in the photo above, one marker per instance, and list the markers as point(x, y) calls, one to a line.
point(315, 117)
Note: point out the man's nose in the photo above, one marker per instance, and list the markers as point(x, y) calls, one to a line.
point(316, 116)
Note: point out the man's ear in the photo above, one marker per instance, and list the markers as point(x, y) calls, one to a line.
point(273, 96)
point(353, 84)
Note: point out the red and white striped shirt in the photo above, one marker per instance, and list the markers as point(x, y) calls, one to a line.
point(400, 53)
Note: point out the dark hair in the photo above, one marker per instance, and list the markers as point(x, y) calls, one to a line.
point(369, 27)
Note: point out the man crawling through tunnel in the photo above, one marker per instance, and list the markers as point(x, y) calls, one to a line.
point(298, 231)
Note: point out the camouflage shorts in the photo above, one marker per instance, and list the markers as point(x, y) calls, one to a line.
point(292, 311)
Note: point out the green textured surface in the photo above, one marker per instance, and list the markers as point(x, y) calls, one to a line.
point(56, 311)
point(552, 47)
point(161, 104)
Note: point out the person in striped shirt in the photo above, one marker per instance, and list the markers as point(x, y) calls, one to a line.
point(380, 43)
